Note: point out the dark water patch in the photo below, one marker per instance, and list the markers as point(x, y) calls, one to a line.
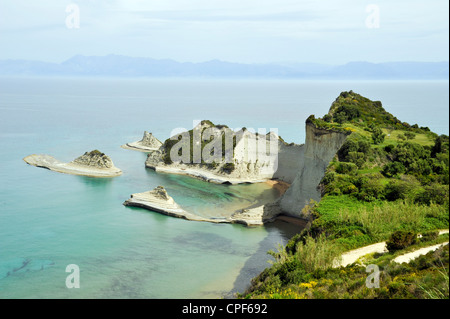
point(259, 260)
point(21, 265)
point(211, 242)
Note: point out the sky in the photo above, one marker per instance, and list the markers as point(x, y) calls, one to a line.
point(248, 31)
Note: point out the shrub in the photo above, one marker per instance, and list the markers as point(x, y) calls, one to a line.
point(429, 236)
point(398, 189)
point(317, 253)
point(389, 148)
point(393, 168)
point(328, 178)
point(346, 168)
point(435, 193)
point(327, 118)
point(355, 143)
point(400, 240)
point(378, 136)
point(410, 135)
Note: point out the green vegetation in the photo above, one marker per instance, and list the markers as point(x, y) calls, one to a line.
point(423, 278)
point(227, 168)
point(94, 153)
point(388, 182)
point(400, 240)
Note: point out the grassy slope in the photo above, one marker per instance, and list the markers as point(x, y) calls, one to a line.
point(350, 216)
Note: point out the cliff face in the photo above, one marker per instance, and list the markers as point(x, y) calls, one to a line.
point(320, 147)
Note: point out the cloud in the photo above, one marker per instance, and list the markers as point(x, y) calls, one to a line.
point(251, 30)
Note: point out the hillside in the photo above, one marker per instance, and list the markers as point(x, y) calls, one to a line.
point(125, 66)
point(388, 178)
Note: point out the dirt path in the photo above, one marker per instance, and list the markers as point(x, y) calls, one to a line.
point(406, 258)
point(352, 256)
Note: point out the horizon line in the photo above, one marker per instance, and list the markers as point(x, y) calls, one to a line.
point(222, 61)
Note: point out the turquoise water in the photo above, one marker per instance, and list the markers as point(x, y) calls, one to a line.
point(50, 220)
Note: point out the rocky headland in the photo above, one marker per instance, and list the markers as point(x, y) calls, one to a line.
point(296, 169)
point(244, 156)
point(92, 164)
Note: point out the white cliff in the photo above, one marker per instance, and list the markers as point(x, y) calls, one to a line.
point(244, 156)
point(321, 146)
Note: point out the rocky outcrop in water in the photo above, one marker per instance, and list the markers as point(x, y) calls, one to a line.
point(158, 200)
point(148, 143)
point(93, 164)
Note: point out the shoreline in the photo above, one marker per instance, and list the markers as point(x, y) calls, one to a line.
point(205, 175)
point(135, 146)
point(280, 186)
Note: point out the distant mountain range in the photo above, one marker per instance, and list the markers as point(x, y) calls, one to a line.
point(123, 66)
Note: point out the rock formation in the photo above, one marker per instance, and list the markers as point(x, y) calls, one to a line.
point(95, 159)
point(93, 164)
point(158, 200)
point(242, 156)
point(148, 143)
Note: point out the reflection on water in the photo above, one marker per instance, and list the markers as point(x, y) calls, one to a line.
point(95, 182)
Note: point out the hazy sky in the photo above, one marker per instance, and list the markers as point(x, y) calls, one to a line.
point(323, 31)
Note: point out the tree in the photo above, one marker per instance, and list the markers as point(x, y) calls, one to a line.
point(378, 136)
point(410, 135)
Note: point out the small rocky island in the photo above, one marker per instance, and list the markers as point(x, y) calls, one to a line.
point(158, 200)
point(92, 164)
point(148, 143)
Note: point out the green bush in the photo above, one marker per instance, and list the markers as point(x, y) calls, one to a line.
point(389, 148)
point(377, 136)
point(392, 169)
point(328, 178)
point(400, 240)
point(354, 148)
point(434, 193)
point(346, 168)
point(410, 135)
point(429, 236)
point(399, 189)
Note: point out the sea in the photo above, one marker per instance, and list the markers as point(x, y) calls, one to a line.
point(69, 237)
